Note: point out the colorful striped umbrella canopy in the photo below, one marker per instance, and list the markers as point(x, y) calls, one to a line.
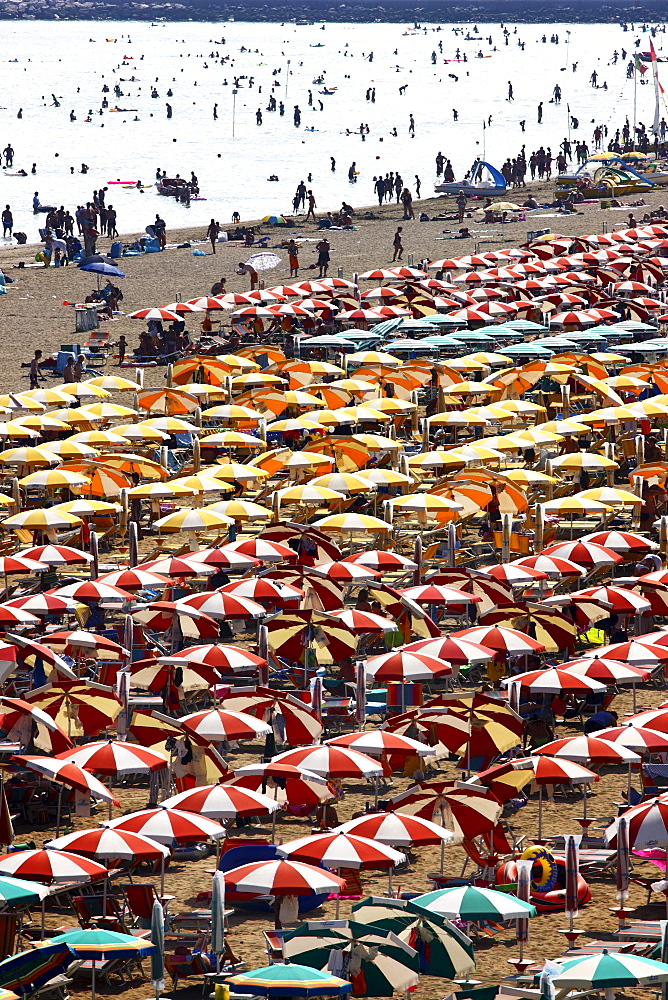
point(501, 639)
point(104, 843)
point(332, 762)
point(365, 621)
point(342, 850)
point(217, 604)
point(221, 724)
point(48, 737)
point(376, 742)
point(386, 963)
point(607, 671)
point(638, 652)
point(452, 649)
point(285, 784)
point(469, 903)
point(398, 829)
point(99, 943)
point(584, 553)
point(610, 971)
point(589, 748)
point(81, 708)
point(554, 681)
point(57, 555)
point(559, 771)
point(647, 825)
point(282, 878)
point(302, 727)
point(290, 981)
point(168, 825)
point(49, 866)
point(116, 758)
point(555, 566)
point(468, 811)
point(218, 655)
point(637, 738)
point(406, 666)
point(32, 969)
point(223, 802)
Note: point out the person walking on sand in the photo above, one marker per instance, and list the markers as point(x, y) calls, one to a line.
point(398, 245)
point(540, 112)
point(35, 370)
point(293, 257)
point(311, 206)
point(7, 222)
point(461, 205)
point(510, 91)
point(323, 248)
point(212, 234)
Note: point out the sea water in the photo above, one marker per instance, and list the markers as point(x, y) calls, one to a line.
point(234, 157)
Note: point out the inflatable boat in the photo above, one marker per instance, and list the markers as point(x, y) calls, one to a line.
point(548, 891)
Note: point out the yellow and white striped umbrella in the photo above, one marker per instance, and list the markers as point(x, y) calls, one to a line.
point(171, 425)
point(240, 510)
point(43, 518)
point(612, 497)
point(308, 460)
point(28, 456)
point(85, 508)
point(336, 418)
point(50, 397)
point(236, 362)
point(308, 493)
point(232, 413)
point(567, 426)
point(467, 364)
point(114, 383)
point(15, 430)
point(426, 503)
point(20, 401)
point(536, 435)
point(193, 520)
point(203, 484)
point(490, 358)
point(231, 439)
point(436, 460)
point(344, 482)
point(52, 478)
point(69, 449)
point(150, 491)
point(506, 442)
point(458, 418)
point(574, 505)
point(389, 404)
point(387, 477)
point(476, 453)
point(584, 460)
point(352, 523)
point(358, 386)
point(6, 501)
point(40, 422)
point(73, 415)
point(295, 424)
point(107, 411)
point(231, 471)
point(374, 358)
point(468, 388)
point(84, 390)
point(529, 477)
point(377, 442)
point(365, 414)
point(140, 432)
point(648, 408)
point(99, 438)
point(518, 406)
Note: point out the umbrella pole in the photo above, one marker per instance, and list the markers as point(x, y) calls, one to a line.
point(273, 826)
point(92, 987)
point(628, 786)
point(41, 936)
point(540, 813)
point(338, 895)
point(442, 842)
point(162, 876)
point(59, 811)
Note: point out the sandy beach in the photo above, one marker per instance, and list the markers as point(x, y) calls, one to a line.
point(33, 314)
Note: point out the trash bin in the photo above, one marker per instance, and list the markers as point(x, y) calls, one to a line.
point(85, 318)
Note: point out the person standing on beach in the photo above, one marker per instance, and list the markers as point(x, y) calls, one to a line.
point(461, 205)
point(323, 248)
point(440, 160)
point(35, 370)
point(7, 222)
point(212, 234)
point(251, 272)
point(411, 125)
point(407, 201)
point(398, 245)
point(311, 206)
point(293, 257)
point(418, 185)
point(540, 112)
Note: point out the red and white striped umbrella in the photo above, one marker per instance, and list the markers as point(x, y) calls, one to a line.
point(282, 878)
point(134, 579)
point(16, 616)
point(332, 762)
point(218, 655)
point(206, 302)
point(636, 652)
point(92, 590)
point(656, 719)
point(65, 773)
point(607, 671)
point(301, 725)
point(223, 557)
point(160, 615)
point(70, 641)
point(42, 604)
point(115, 758)
point(376, 742)
point(257, 588)
point(218, 724)
point(501, 639)
point(285, 784)
point(398, 829)
point(453, 649)
point(49, 866)
point(182, 567)
point(104, 843)
point(364, 621)
point(57, 555)
point(341, 850)
point(647, 825)
point(556, 771)
point(586, 748)
point(219, 605)
point(154, 313)
point(168, 826)
point(345, 572)
point(433, 594)
point(382, 561)
point(20, 564)
point(619, 598)
point(637, 738)
point(555, 566)
point(583, 553)
point(514, 574)
point(262, 549)
point(48, 735)
point(410, 666)
point(554, 681)
point(223, 802)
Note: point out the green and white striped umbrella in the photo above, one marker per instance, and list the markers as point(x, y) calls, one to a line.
point(468, 902)
point(376, 962)
point(610, 970)
point(442, 948)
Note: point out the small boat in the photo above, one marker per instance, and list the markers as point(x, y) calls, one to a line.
point(482, 181)
point(598, 177)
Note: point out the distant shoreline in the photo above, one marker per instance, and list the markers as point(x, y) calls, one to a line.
point(429, 12)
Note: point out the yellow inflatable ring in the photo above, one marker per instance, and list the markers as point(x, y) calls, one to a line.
point(549, 872)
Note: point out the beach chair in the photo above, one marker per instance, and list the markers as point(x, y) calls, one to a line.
point(139, 898)
point(274, 946)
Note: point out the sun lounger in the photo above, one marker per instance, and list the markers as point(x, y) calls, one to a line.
point(648, 930)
